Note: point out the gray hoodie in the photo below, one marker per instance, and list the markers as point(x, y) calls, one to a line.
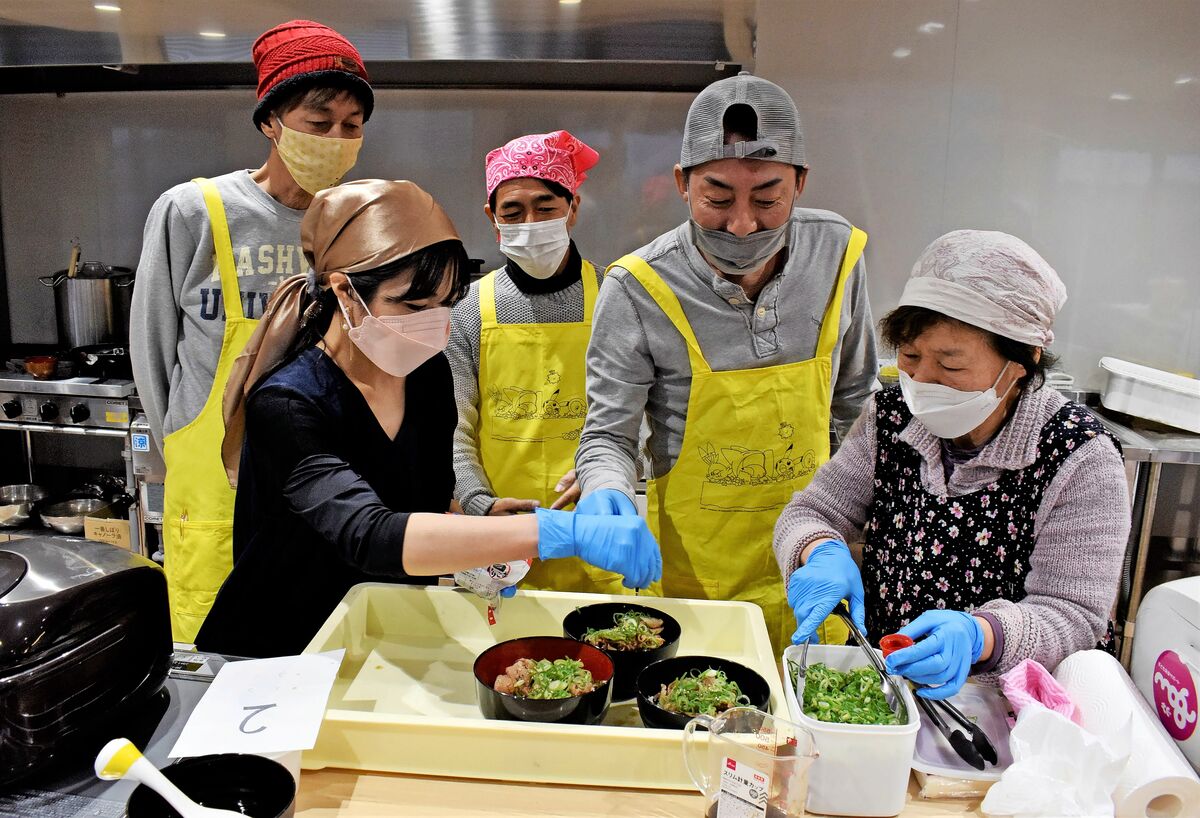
point(177, 319)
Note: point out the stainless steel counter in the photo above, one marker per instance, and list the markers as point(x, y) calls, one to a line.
point(1146, 452)
point(1153, 446)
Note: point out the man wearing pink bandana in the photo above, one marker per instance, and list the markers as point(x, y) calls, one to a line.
point(517, 347)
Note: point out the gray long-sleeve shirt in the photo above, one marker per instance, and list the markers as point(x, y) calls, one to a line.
point(637, 361)
point(177, 319)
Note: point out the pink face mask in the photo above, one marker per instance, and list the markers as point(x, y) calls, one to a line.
point(398, 344)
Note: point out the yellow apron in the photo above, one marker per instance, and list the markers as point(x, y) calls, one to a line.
point(532, 406)
point(753, 438)
point(198, 502)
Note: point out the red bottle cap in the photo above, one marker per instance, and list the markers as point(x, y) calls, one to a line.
point(894, 642)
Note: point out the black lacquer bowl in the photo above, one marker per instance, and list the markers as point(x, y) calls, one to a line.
point(247, 784)
point(628, 663)
point(651, 680)
point(586, 709)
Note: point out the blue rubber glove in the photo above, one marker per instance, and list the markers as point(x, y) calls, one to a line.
point(620, 544)
point(953, 642)
point(607, 502)
point(816, 588)
point(509, 591)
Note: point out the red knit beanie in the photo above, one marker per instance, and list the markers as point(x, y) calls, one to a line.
point(303, 52)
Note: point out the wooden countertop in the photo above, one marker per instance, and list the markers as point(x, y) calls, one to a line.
point(334, 793)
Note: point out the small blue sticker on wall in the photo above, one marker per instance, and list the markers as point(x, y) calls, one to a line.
point(141, 443)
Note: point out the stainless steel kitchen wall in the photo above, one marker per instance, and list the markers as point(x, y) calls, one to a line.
point(1074, 124)
point(88, 166)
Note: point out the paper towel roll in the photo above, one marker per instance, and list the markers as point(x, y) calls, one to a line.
point(1157, 782)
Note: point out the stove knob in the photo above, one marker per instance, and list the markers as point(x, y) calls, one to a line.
point(12, 408)
point(80, 413)
point(48, 411)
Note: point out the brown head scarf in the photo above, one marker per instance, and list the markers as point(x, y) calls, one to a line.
point(351, 228)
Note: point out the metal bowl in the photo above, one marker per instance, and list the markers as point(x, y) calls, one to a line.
point(67, 517)
point(16, 503)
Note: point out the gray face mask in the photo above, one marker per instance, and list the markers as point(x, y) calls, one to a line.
point(736, 256)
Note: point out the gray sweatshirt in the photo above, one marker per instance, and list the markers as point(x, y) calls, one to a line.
point(177, 320)
point(637, 361)
point(1081, 527)
point(513, 306)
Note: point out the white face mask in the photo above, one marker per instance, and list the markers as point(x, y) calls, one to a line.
point(316, 162)
point(948, 412)
point(538, 248)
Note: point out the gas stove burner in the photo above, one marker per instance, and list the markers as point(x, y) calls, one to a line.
point(81, 402)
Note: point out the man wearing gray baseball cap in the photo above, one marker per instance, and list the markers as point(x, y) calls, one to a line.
point(740, 336)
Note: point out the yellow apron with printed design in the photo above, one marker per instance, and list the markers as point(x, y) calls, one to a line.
point(753, 438)
point(532, 406)
point(198, 502)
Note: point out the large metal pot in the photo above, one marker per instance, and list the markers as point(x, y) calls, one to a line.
point(92, 306)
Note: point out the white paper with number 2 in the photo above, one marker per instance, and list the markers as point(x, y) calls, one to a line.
point(261, 706)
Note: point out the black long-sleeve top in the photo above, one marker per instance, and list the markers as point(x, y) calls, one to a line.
point(323, 500)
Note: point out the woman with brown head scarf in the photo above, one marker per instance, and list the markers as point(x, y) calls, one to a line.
point(346, 406)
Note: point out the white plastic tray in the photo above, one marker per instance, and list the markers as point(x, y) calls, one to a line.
point(404, 699)
point(987, 707)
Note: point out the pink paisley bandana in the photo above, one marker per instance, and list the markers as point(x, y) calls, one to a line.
point(557, 157)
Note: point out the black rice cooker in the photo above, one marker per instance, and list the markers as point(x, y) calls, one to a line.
point(85, 639)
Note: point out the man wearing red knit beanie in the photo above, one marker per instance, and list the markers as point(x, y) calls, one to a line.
point(212, 252)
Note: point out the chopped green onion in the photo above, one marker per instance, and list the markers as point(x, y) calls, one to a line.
point(707, 692)
point(849, 697)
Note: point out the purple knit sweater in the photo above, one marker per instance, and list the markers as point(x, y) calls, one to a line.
point(1081, 529)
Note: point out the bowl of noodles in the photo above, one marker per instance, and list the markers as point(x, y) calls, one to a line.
point(544, 679)
point(633, 636)
point(671, 691)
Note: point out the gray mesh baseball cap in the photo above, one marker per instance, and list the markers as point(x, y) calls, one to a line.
point(779, 138)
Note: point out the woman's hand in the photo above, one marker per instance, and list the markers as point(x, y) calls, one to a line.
point(828, 576)
point(953, 641)
point(621, 544)
point(570, 489)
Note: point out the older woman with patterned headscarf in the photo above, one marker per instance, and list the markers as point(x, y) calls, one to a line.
point(994, 512)
point(346, 405)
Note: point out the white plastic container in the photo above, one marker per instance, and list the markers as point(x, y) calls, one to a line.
point(1151, 394)
point(862, 769)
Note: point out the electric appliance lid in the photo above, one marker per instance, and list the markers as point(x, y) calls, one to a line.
point(12, 570)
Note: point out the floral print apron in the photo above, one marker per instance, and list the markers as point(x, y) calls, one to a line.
point(926, 551)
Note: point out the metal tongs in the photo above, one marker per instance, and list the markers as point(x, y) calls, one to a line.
point(895, 698)
point(974, 750)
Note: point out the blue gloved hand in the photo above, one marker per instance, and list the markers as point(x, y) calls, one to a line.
point(607, 502)
point(953, 642)
point(816, 588)
point(509, 591)
point(620, 544)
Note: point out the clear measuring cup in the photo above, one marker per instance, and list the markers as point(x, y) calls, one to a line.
point(756, 765)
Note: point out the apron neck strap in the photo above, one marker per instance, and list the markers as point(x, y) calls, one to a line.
point(231, 292)
point(668, 302)
point(487, 300)
point(831, 323)
point(588, 273)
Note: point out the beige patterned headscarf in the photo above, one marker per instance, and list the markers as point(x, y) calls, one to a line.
point(352, 228)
